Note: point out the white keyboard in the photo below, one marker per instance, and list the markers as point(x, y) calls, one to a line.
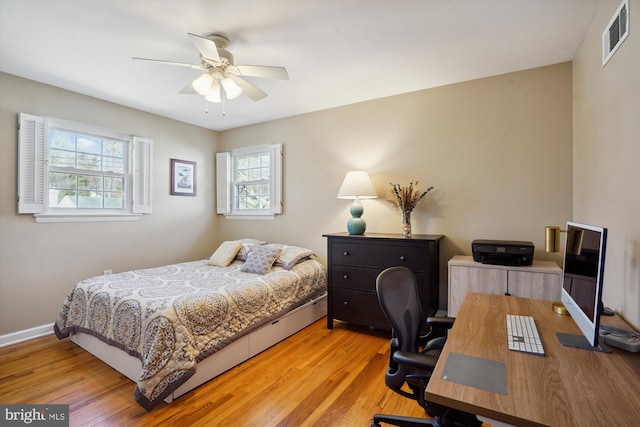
point(522, 334)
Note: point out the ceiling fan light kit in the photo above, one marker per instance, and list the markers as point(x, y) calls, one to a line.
point(214, 93)
point(231, 89)
point(222, 79)
point(203, 84)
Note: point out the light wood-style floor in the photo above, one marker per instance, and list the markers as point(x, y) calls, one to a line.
point(318, 377)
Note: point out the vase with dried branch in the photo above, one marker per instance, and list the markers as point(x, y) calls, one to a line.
point(406, 199)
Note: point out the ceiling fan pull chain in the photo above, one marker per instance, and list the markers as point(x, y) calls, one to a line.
point(224, 102)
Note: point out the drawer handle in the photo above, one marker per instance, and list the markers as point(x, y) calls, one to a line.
point(345, 253)
point(403, 258)
point(346, 276)
point(346, 303)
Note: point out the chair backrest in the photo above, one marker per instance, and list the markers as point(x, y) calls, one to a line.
point(398, 295)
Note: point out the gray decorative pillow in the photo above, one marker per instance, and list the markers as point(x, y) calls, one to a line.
point(247, 245)
point(291, 255)
point(260, 259)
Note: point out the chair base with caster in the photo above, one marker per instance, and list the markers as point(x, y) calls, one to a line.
point(450, 418)
point(399, 421)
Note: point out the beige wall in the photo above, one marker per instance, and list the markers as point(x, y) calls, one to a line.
point(39, 263)
point(606, 125)
point(497, 150)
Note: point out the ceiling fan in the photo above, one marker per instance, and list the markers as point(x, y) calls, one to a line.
point(221, 78)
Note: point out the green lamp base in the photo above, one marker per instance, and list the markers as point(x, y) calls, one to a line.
point(356, 224)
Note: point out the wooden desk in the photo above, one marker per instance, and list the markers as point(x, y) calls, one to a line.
point(566, 387)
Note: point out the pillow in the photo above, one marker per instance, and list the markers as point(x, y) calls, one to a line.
point(225, 253)
point(252, 241)
point(260, 259)
point(291, 255)
point(247, 244)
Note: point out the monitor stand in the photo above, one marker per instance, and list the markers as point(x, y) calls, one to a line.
point(579, 341)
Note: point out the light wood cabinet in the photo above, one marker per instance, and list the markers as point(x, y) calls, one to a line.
point(541, 280)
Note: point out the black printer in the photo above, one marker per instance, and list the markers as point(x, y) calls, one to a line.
point(502, 252)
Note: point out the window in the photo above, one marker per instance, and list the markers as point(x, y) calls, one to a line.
point(73, 172)
point(86, 171)
point(249, 182)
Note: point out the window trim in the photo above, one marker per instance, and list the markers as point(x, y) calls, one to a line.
point(224, 183)
point(33, 157)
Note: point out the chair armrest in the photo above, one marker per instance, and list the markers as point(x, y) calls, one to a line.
point(435, 344)
point(441, 322)
point(438, 327)
point(415, 360)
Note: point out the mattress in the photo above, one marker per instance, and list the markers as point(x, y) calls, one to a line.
point(174, 316)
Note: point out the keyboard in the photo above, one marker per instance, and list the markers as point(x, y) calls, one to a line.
point(522, 335)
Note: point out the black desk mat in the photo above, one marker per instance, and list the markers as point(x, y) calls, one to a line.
point(476, 372)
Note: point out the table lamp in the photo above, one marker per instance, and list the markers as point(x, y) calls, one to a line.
point(552, 238)
point(356, 186)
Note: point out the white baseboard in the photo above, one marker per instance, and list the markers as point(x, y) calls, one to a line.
point(27, 334)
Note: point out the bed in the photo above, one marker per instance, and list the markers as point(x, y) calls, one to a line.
point(174, 327)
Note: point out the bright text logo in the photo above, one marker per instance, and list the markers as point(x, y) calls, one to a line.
point(36, 415)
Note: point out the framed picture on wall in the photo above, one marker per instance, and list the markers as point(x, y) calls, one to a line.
point(183, 178)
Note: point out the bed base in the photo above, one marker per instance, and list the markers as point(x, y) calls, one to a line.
point(221, 361)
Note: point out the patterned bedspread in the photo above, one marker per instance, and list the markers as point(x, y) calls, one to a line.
point(171, 317)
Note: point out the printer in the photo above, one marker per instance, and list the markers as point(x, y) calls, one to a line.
point(502, 252)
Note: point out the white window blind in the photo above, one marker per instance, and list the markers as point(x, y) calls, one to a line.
point(142, 155)
point(223, 179)
point(31, 164)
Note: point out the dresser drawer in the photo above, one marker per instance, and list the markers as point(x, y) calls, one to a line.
point(383, 256)
point(358, 307)
point(346, 276)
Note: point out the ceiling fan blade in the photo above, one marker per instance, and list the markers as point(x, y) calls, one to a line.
point(180, 64)
point(206, 47)
point(263, 71)
point(188, 90)
point(248, 89)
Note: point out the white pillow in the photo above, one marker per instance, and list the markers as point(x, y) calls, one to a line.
point(225, 253)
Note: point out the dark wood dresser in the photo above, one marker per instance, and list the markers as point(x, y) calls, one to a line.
point(354, 263)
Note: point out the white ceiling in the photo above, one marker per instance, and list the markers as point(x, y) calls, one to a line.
point(337, 52)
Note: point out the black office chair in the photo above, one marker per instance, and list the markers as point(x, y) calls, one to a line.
point(413, 356)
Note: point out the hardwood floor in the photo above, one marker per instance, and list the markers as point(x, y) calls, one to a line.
point(318, 377)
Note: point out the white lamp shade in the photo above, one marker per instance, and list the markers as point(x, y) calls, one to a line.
point(356, 185)
point(214, 93)
point(231, 89)
point(202, 84)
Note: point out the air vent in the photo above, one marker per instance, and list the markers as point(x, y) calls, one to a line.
point(616, 32)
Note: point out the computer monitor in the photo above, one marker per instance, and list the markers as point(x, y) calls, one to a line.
point(582, 281)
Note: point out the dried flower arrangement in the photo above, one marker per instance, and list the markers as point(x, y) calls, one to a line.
point(406, 199)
